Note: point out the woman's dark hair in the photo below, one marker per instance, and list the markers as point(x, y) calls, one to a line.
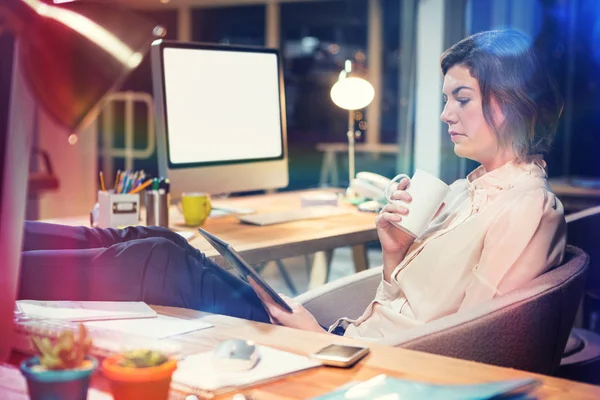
point(509, 72)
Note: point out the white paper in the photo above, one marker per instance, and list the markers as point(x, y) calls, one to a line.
point(95, 394)
point(155, 328)
point(196, 372)
point(187, 235)
point(85, 310)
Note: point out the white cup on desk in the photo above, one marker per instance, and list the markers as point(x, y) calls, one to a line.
point(427, 192)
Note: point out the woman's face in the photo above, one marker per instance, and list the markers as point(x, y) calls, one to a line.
point(473, 138)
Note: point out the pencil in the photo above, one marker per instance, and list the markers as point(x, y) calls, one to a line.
point(117, 178)
point(102, 182)
point(141, 187)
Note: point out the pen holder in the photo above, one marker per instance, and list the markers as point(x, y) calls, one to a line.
point(157, 208)
point(118, 210)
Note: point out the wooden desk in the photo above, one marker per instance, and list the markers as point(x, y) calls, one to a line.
point(574, 197)
point(401, 363)
point(258, 244)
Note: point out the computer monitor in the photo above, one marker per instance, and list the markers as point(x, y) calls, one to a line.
point(220, 117)
point(14, 168)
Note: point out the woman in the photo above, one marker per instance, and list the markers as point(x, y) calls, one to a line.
point(500, 227)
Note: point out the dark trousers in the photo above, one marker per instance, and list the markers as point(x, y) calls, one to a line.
point(149, 264)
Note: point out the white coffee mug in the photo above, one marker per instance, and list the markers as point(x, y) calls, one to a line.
point(427, 192)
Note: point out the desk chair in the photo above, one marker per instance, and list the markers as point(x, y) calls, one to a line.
point(583, 231)
point(581, 360)
point(525, 329)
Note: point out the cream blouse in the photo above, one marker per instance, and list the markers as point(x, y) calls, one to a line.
point(498, 231)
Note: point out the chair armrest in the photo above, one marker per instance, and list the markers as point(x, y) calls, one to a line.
point(345, 297)
point(486, 333)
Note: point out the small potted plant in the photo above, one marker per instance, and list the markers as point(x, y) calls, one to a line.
point(62, 369)
point(139, 374)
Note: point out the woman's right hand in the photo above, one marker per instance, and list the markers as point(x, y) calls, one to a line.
point(394, 241)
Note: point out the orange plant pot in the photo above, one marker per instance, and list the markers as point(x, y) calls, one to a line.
point(138, 383)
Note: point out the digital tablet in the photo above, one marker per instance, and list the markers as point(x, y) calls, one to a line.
point(241, 266)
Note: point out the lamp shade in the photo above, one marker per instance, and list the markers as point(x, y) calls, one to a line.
point(74, 53)
point(351, 92)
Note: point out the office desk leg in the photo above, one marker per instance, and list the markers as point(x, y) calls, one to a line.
point(321, 265)
point(319, 273)
point(329, 172)
point(286, 277)
point(359, 255)
point(284, 274)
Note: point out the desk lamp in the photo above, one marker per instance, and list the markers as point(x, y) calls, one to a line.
point(67, 57)
point(351, 92)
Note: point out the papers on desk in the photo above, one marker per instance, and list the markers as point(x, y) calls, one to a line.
point(85, 310)
point(196, 374)
point(134, 318)
point(187, 235)
point(156, 328)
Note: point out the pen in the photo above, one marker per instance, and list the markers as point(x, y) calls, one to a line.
point(102, 182)
point(165, 184)
point(122, 182)
point(141, 179)
point(128, 185)
point(155, 184)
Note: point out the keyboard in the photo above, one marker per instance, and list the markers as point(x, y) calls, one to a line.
point(294, 215)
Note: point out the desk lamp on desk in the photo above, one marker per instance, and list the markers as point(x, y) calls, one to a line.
point(351, 92)
point(67, 57)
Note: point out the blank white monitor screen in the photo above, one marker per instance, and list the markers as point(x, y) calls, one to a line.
point(220, 117)
point(238, 124)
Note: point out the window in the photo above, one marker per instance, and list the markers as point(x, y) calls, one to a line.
point(316, 39)
point(230, 25)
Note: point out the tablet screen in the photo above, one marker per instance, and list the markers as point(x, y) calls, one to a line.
point(241, 266)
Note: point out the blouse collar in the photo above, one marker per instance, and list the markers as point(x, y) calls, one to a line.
point(506, 176)
point(484, 187)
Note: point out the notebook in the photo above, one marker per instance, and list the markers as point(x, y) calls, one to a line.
point(196, 375)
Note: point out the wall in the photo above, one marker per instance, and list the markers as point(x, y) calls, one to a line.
point(75, 166)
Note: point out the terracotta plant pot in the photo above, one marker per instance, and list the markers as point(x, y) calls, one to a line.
point(129, 383)
point(67, 384)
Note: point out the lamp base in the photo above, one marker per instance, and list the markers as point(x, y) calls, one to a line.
point(352, 197)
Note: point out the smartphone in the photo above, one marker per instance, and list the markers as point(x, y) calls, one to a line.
point(338, 355)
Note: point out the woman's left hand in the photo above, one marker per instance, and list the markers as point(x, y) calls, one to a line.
point(299, 318)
